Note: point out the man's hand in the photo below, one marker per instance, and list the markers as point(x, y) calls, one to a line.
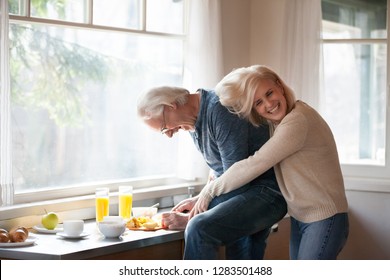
point(185, 205)
point(174, 220)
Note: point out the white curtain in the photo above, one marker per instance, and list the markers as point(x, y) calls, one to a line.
point(203, 69)
point(7, 191)
point(203, 61)
point(301, 58)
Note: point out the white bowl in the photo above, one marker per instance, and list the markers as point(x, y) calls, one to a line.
point(144, 211)
point(112, 229)
point(117, 219)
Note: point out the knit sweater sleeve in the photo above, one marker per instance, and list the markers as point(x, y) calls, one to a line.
point(289, 137)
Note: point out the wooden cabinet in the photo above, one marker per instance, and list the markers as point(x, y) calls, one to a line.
point(166, 251)
point(278, 242)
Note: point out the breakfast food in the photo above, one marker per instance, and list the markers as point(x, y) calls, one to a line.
point(18, 234)
point(49, 220)
point(150, 225)
point(133, 223)
point(143, 222)
point(4, 236)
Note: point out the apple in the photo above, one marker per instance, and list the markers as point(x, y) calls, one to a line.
point(50, 220)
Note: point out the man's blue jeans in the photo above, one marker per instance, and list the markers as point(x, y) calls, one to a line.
point(240, 220)
point(322, 240)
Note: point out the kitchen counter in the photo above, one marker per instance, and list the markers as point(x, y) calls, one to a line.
point(160, 244)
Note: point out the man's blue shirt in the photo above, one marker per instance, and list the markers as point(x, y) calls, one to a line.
point(223, 138)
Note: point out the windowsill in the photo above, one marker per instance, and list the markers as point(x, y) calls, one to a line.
point(367, 185)
point(83, 206)
point(133, 244)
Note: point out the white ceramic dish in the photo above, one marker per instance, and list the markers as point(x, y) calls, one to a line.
point(41, 229)
point(64, 235)
point(73, 227)
point(29, 241)
point(112, 229)
point(144, 211)
point(116, 219)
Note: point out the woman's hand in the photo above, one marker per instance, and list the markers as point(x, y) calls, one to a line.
point(185, 205)
point(211, 176)
point(202, 204)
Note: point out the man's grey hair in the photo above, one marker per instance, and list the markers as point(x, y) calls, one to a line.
point(151, 104)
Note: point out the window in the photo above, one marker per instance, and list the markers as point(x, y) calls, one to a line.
point(355, 80)
point(76, 71)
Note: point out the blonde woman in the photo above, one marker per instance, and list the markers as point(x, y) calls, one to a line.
point(303, 153)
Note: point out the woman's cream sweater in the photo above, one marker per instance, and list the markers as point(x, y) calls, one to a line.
point(304, 155)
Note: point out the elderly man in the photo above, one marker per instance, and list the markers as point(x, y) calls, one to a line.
point(239, 220)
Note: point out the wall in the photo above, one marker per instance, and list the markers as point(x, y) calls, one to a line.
point(266, 29)
point(235, 33)
point(252, 34)
point(369, 236)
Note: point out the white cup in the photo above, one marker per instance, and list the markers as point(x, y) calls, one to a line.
point(73, 227)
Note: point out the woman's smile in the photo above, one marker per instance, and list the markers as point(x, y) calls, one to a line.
point(273, 110)
point(269, 101)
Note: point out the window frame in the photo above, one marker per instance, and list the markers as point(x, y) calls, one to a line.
point(365, 177)
point(148, 187)
point(90, 25)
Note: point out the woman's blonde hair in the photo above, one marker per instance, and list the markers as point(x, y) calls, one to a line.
point(237, 89)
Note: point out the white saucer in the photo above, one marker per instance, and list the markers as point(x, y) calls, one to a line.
point(41, 229)
point(64, 235)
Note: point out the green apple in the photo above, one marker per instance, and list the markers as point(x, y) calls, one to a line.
point(50, 220)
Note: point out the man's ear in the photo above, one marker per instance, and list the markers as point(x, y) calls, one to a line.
point(173, 106)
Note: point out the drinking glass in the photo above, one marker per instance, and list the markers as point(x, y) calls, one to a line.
point(125, 201)
point(102, 203)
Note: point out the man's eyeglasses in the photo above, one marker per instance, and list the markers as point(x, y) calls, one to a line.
point(164, 129)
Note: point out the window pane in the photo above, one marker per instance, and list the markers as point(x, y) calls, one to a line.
point(355, 93)
point(354, 19)
point(66, 10)
point(165, 16)
point(74, 98)
point(17, 7)
point(125, 13)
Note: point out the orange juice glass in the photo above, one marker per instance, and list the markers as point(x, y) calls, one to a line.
point(125, 201)
point(102, 203)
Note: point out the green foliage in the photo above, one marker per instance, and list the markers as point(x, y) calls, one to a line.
point(13, 7)
point(41, 7)
point(53, 73)
point(49, 73)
